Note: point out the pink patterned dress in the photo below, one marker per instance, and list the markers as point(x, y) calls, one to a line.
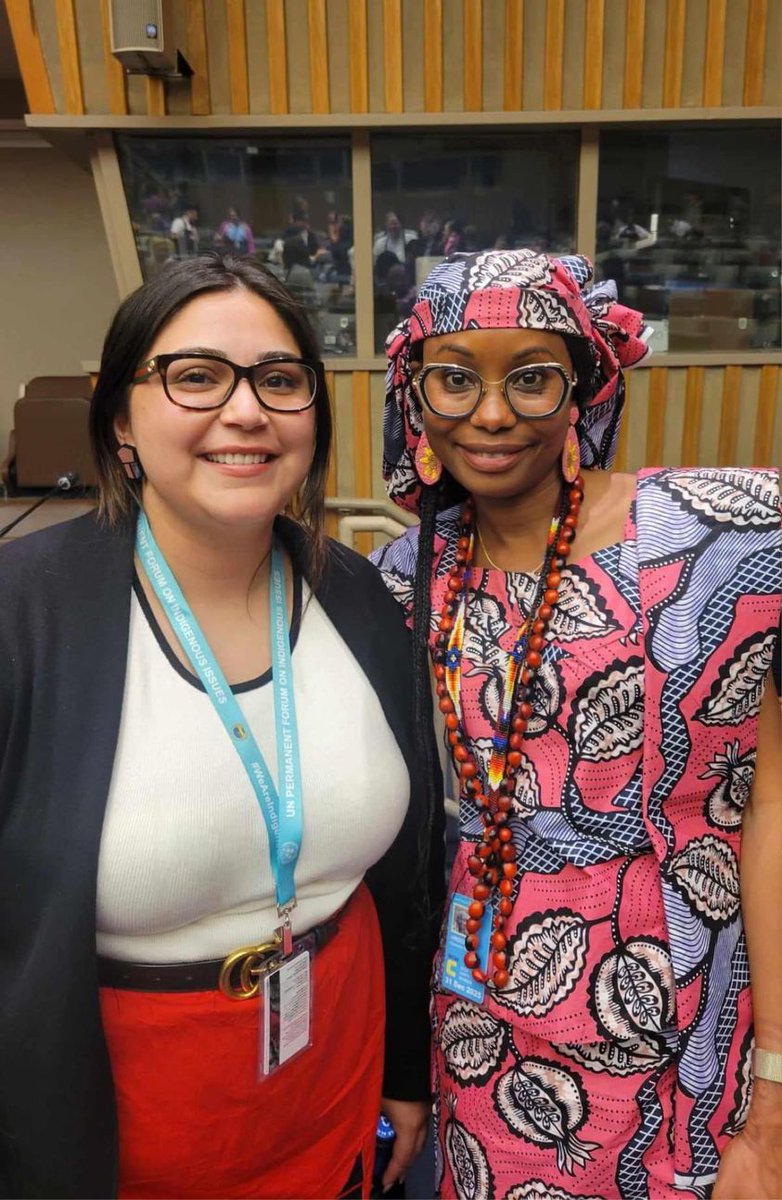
point(615, 1062)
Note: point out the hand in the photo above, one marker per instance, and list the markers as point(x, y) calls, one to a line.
point(751, 1166)
point(409, 1119)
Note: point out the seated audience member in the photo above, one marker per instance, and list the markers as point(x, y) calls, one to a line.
point(235, 234)
point(393, 239)
point(184, 231)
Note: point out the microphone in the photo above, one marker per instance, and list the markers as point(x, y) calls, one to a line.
point(65, 483)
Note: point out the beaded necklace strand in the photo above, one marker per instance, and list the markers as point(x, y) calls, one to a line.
point(493, 863)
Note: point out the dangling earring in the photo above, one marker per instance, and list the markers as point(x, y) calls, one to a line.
point(127, 456)
point(571, 451)
point(427, 464)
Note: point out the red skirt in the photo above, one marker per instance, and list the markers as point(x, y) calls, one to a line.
point(195, 1120)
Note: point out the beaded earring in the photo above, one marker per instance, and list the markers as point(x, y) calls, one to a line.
point(427, 464)
point(127, 456)
point(571, 451)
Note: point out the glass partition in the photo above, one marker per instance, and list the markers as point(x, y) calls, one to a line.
point(434, 194)
point(689, 226)
point(287, 202)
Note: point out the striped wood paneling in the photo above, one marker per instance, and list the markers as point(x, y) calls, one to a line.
point(425, 55)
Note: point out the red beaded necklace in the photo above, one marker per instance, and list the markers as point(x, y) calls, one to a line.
point(493, 864)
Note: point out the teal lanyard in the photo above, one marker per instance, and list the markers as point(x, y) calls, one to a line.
point(282, 811)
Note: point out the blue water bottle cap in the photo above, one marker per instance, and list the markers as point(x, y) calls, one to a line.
point(385, 1130)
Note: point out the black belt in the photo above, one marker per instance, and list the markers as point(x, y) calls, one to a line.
point(236, 976)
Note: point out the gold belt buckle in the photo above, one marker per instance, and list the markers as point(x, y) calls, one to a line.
point(240, 974)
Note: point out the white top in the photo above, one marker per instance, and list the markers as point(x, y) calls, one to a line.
point(184, 870)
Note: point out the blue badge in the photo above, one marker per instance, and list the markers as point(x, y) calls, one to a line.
point(454, 975)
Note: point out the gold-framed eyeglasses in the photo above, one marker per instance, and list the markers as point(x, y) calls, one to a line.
point(533, 391)
point(283, 383)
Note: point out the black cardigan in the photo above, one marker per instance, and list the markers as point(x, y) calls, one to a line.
point(64, 613)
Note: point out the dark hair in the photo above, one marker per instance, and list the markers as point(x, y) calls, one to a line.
point(135, 326)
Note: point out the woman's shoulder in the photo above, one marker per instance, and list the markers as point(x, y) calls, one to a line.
point(400, 556)
point(725, 497)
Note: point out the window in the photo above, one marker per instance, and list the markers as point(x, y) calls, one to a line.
point(435, 194)
point(288, 203)
point(689, 227)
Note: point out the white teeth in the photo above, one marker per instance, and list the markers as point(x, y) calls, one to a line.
point(240, 460)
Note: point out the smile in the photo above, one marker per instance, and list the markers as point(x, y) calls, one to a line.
point(238, 460)
point(491, 460)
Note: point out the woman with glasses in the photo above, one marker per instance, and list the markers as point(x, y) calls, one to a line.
point(600, 647)
point(210, 795)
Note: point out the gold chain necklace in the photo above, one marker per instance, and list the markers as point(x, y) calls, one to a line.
point(491, 561)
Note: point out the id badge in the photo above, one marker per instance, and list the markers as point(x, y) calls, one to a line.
point(286, 1019)
point(454, 975)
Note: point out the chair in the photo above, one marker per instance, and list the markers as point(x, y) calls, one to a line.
point(50, 434)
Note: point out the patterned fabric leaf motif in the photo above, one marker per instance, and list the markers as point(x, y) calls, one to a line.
point(706, 873)
point(738, 689)
point(473, 1043)
point(472, 1177)
point(617, 1057)
point(608, 713)
point(545, 1105)
point(739, 497)
point(725, 804)
point(526, 796)
point(536, 1189)
point(632, 990)
point(547, 699)
point(580, 611)
point(737, 1117)
point(545, 960)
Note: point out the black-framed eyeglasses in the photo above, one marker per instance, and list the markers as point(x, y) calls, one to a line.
point(533, 391)
point(205, 381)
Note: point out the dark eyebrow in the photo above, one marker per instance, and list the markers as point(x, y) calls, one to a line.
point(538, 353)
point(213, 353)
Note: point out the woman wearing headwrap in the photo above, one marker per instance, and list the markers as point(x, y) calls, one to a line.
point(600, 647)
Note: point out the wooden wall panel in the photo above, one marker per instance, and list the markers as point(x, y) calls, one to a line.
point(656, 416)
point(376, 86)
point(613, 61)
point(654, 54)
point(155, 92)
point(238, 77)
point(339, 88)
point(198, 57)
point(453, 56)
point(93, 62)
point(714, 58)
point(413, 55)
point(472, 55)
point(377, 395)
point(116, 95)
point(30, 57)
point(357, 56)
point(693, 52)
point(755, 51)
point(362, 448)
point(44, 23)
point(257, 58)
point(554, 53)
point(276, 34)
point(574, 53)
point(216, 32)
point(768, 413)
point(433, 55)
point(729, 416)
point(635, 36)
point(534, 53)
point(178, 94)
point(493, 54)
point(513, 55)
point(673, 53)
point(673, 426)
point(297, 54)
point(693, 409)
point(772, 70)
point(343, 441)
point(735, 42)
point(393, 70)
point(318, 54)
point(594, 33)
point(747, 416)
point(708, 440)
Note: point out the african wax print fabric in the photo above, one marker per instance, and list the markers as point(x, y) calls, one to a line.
point(510, 289)
point(616, 1061)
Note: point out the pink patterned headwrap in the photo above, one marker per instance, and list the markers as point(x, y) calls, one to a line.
point(508, 289)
